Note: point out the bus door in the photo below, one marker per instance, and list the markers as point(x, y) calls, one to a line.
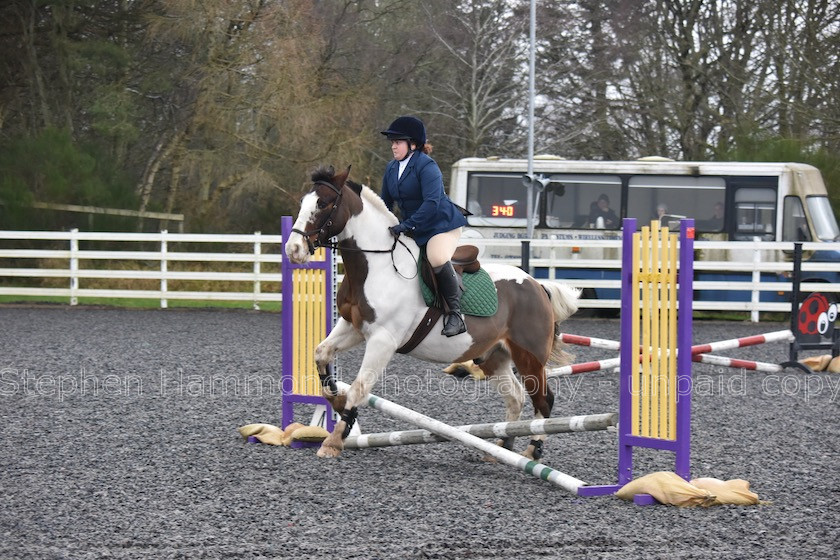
point(753, 215)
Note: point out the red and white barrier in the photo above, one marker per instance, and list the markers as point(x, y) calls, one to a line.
point(589, 341)
point(700, 353)
point(736, 363)
point(584, 367)
point(777, 336)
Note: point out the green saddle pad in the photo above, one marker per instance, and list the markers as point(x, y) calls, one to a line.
point(479, 297)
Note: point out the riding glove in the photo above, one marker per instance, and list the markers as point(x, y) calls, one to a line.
point(398, 229)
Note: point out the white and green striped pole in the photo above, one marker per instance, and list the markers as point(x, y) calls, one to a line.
point(587, 423)
point(563, 480)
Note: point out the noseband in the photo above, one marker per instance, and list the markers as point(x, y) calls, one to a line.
point(328, 221)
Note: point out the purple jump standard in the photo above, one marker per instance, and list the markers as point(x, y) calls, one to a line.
point(299, 378)
point(628, 437)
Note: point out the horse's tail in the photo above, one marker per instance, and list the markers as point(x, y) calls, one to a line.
point(564, 304)
point(564, 299)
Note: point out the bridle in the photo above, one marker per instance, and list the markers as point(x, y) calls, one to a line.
point(328, 222)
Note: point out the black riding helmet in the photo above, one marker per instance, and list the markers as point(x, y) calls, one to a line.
point(407, 128)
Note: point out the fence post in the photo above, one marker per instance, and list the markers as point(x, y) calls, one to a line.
point(525, 257)
point(257, 253)
point(74, 266)
point(552, 271)
point(756, 279)
point(793, 349)
point(164, 267)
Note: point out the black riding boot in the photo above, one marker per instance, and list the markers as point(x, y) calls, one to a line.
point(450, 289)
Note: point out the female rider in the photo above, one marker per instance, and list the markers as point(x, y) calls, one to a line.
point(413, 180)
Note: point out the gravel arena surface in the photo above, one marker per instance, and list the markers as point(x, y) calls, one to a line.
point(119, 439)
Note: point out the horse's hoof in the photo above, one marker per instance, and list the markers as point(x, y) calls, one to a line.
point(328, 451)
point(528, 454)
point(506, 443)
point(533, 453)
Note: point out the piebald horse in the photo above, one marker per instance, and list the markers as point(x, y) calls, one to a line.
point(381, 304)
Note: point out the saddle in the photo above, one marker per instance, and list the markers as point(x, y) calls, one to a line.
point(464, 260)
point(478, 296)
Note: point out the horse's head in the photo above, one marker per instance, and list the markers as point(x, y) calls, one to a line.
point(324, 212)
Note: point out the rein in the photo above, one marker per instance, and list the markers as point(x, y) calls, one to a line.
point(391, 251)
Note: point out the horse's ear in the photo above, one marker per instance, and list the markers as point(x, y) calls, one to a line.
point(339, 180)
point(354, 186)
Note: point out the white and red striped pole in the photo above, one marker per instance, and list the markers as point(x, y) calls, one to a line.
point(736, 363)
point(776, 336)
point(584, 367)
point(590, 341)
point(699, 353)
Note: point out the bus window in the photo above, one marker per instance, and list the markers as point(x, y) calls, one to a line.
point(794, 226)
point(825, 224)
point(669, 198)
point(569, 206)
point(497, 199)
point(755, 212)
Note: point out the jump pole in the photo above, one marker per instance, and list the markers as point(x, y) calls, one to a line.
point(737, 363)
point(588, 423)
point(510, 458)
point(583, 367)
point(699, 353)
point(775, 336)
point(612, 363)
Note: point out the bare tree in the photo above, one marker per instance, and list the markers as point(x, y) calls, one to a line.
point(261, 109)
point(584, 73)
point(478, 91)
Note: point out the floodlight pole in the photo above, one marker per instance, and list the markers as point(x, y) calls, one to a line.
point(531, 56)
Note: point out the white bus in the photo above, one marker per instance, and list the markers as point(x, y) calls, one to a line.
point(730, 201)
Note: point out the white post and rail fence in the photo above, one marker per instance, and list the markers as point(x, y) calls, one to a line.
point(167, 267)
point(74, 264)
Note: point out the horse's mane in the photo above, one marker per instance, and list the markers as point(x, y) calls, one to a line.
point(323, 173)
point(370, 197)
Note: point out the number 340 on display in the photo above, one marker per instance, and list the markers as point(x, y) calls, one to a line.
point(499, 210)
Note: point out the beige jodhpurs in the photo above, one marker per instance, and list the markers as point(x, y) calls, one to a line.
point(441, 247)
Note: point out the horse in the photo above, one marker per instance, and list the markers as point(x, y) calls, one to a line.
point(380, 303)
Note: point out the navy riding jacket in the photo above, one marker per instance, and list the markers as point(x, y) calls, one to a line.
point(424, 206)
